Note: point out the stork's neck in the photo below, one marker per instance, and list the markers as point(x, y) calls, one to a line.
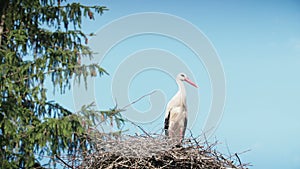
point(181, 94)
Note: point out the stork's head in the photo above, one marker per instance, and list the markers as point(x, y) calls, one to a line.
point(183, 77)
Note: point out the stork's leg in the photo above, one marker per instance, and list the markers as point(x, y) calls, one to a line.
point(181, 135)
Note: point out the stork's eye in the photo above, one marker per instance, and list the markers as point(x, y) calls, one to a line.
point(182, 75)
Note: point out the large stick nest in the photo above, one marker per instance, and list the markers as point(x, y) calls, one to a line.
point(130, 152)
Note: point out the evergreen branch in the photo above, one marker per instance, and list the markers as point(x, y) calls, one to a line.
point(48, 72)
point(80, 5)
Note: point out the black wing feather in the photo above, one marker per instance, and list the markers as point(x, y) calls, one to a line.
point(167, 121)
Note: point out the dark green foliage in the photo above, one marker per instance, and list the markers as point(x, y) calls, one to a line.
point(42, 39)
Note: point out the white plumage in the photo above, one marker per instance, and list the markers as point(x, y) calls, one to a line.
point(176, 111)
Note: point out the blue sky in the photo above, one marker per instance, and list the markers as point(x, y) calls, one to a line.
point(258, 43)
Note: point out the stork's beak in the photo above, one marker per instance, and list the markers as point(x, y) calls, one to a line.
point(190, 82)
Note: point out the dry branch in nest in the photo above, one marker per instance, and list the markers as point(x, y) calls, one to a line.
point(155, 151)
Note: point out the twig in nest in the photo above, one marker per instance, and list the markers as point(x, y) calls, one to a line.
point(194, 139)
point(139, 127)
point(238, 159)
point(124, 108)
point(63, 161)
point(227, 147)
point(135, 101)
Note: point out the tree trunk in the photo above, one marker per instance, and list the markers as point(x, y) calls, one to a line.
point(1, 27)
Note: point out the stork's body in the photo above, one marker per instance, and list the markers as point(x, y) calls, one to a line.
point(176, 111)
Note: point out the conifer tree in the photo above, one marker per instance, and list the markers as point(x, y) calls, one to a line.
point(42, 39)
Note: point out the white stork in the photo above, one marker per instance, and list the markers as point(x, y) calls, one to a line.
point(176, 111)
